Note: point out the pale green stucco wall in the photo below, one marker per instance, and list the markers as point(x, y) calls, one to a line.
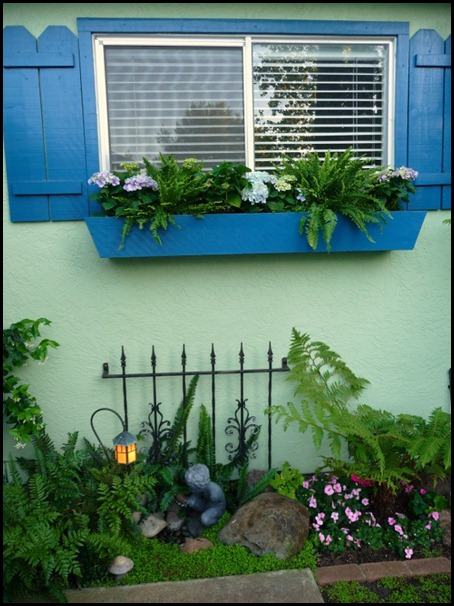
point(386, 314)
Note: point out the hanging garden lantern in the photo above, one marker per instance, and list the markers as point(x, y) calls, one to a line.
point(125, 448)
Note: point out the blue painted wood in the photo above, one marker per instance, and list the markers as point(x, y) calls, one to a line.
point(30, 188)
point(50, 59)
point(401, 101)
point(89, 114)
point(44, 131)
point(446, 190)
point(63, 125)
point(433, 179)
point(248, 234)
point(425, 114)
point(433, 61)
point(22, 129)
point(243, 26)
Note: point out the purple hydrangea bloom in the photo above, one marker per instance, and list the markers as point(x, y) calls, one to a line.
point(139, 182)
point(103, 178)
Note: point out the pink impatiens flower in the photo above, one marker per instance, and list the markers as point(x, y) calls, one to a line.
point(398, 528)
point(360, 481)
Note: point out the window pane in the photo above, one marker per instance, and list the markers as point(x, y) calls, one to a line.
point(315, 97)
point(184, 101)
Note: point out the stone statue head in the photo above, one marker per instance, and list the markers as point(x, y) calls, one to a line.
point(197, 477)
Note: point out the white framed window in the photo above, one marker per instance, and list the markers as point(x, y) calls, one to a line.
point(247, 99)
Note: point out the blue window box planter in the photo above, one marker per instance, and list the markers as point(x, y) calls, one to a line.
point(249, 234)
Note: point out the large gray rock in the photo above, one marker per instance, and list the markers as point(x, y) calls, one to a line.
point(269, 523)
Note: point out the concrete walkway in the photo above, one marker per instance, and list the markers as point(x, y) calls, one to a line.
point(278, 587)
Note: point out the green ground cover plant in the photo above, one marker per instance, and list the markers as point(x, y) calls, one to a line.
point(431, 589)
point(156, 561)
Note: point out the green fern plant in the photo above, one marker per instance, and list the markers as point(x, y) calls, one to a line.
point(370, 443)
point(169, 449)
point(119, 497)
point(339, 184)
point(181, 190)
point(64, 517)
point(42, 529)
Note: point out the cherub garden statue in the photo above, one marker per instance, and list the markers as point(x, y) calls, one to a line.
point(207, 499)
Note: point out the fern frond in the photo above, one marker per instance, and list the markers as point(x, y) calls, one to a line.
point(176, 430)
point(205, 450)
point(258, 487)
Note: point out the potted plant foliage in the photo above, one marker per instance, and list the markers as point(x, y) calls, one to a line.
point(338, 203)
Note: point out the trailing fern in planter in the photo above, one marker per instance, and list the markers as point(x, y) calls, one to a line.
point(339, 184)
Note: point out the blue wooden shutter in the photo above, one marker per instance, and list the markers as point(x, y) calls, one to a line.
point(43, 126)
point(429, 120)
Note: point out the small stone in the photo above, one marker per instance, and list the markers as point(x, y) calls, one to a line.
point(153, 525)
point(174, 518)
point(193, 545)
point(136, 516)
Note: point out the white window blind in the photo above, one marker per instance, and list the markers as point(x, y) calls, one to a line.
point(182, 101)
point(245, 99)
point(318, 97)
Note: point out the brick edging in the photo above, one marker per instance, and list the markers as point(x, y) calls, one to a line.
point(378, 570)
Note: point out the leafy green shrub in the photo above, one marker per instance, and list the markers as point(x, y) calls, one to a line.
point(20, 407)
point(225, 183)
point(287, 481)
point(384, 449)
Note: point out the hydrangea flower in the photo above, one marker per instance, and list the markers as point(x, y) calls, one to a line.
point(407, 174)
point(103, 178)
point(139, 181)
point(258, 193)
